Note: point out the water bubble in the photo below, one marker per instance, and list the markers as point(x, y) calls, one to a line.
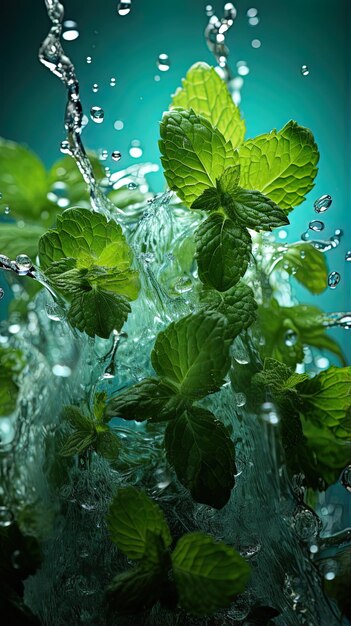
point(348, 256)
point(253, 21)
point(269, 413)
point(305, 236)
point(209, 10)
point(157, 78)
point(7, 433)
point(322, 362)
point(89, 60)
point(118, 125)
point(65, 147)
point(103, 155)
point(304, 70)
point(62, 371)
point(95, 88)
point(346, 478)
point(316, 225)
point(242, 68)
point(307, 524)
point(55, 312)
point(14, 329)
point(323, 203)
point(256, 43)
point(183, 284)
point(132, 186)
point(2, 293)
point(116, 155)
point(97, 114)
point(290, 338)
point(70, 35)
point(24, 264)
point(252, 12)
point(112, 82)
point(330, 569)
point(6, 517)
point(163, 63)
point(333, 279)
point(124, 8)
point(135, 149)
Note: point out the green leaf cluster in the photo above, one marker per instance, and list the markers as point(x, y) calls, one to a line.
point(307, 264)
point(88, 260)
point(200, 575)
point(90, 432)
point(191, 359)
point(11, 365)
point(238, 305)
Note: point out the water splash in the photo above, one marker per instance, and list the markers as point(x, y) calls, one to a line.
point(215, 35)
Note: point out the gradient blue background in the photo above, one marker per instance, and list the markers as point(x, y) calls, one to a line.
point(294, 32)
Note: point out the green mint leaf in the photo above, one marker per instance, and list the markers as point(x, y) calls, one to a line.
point(148, 400)
point(98, 312)
point(307, 264)
point(23, 181)
point(207, 94)
point(13, 239)
point(238, 305)
point(326, 400)
point(11, 364)
point(132, 516)
point(107, 445)
point(282, 164)
point(194, 153)
point(208, 574)
point(136, 590)
point(274, 374)
point(210, 200)
point(75, 418)
point(254, 210)
point(229, 180)
point(78, 442)
point(205, 460)
point(223, 252)
point(193, 354)
point(100, 399)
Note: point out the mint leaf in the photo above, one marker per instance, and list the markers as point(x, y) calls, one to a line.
point(149, 399)
point(11, 364)
point(238, 305)
point(282, 164)
point(136, 590)
point(132, 516)
point(327, 400)
point(223, 252)
point(78, 442)
point(254, 210)
point(75, 418)
point(193, 354)
point(214, 198)
point(307, 264)
point(98, 312)
point(208, 574)
point(14, 239)
point(207, 94)
point(23, 181)
point(107, 445)
point(229, 181)
point(210, 200)
point(204, 462)
point(194, 153)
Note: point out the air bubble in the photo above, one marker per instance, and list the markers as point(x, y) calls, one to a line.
point(209, 10)
point(242, 68)
point(5, 262)
point(24, 264)
point(89, 60)
point(112, 82)
point(322, 362)
point(118, 125)
point(290, 338)
point(55, 312)
point(304, 70)
point(334, 279)
point(163, 63)
point(7, 433)
point(229, 12)
point(132, 186)
point(183, 284)
point(95, 88)
point(253, 21)
point(252, 12)
point(97, 114)
point(256, 43)
point(124, 8)
point(323, 203)
point(116, 155)
point(305, 236)
point(316, 225)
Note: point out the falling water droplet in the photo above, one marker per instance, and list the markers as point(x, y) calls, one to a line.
point(348, 256)
point(323, 203)
point(334, 279)
point(304, 70)
point(89, 60)
point(163, 63)
point(256, 43)
point(116, 155)
point(124, 8)
point(7, 210)
point(95, 88)
point(316, 225)
point(97, 114)
point(252, 12)
point(2, 293)
point(118, 125)
point(253, 21)
point(132, 186)
point(6, 517)
point(24, 264)
point(290, 338)
point(305, 236)
point(269, 413)
point(112, 82)
point(209, 10)
point(242, 68)
point(346, 478)
point(135, 149)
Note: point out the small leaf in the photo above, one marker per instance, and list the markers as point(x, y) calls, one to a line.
point(282, 165)
point(307, 264)
point(14, 239)
point(238, 305)
point(208, 574)
point(207, 94)
point(223, 252)
point(205, 460)
point(77, 443)
point(229, 180)
point(194, 153)
point(135, 591)
point(132, 515)
point(145, 400)
point(74, 416)
point(193, 354)
point(254, 210)
point(107, 445)
point(100, 399)
point(98, 312)
point(210, 200)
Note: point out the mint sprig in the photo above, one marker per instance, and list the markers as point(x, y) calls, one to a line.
point(238, 305)
point(200, 575)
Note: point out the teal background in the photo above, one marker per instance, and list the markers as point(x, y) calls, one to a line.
point(294, 32)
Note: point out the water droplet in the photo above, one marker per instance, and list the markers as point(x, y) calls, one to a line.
point(252, 12)
point(95, 87)
point(307, 524)
point(256, 43)
point(103, 155)
point(6, 517)
point(209, 10)
point(5, 262)
point(2, 293)
point(89, 60)
point(269, 413)
point(316, 225)
point(163, 63)
point(62, 371)
point(253, 21)
point(124, 8)
point(305, 236)
point(304, 70)
point(70, 35)
point(116, 155)
point(333, 279)
point(7, 433)
point(24, 264)
point(323, 203)
point(329, 569)
point(97, 114)
point(240, 399)
point(65, 147)
point(118, 125)
point(346, 478)
point(7, 210)
point(112, 82)
point(348, 256)
point(132, 186)
point(290, 338)
point(55, 312)
point(135, 149)
point(242, 68)
point(322, 362)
